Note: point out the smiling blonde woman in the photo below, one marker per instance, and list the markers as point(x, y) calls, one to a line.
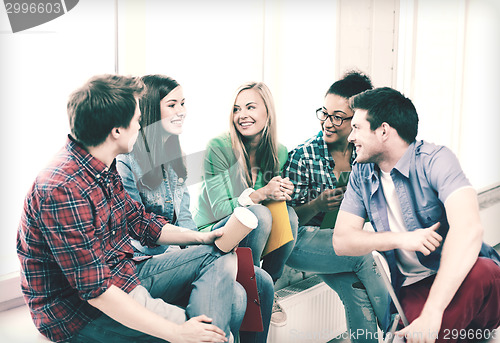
point(243, 168)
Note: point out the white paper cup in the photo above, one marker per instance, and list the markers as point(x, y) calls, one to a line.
point(239, 225)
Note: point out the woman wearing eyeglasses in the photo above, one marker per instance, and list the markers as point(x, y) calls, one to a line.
point(319, 168)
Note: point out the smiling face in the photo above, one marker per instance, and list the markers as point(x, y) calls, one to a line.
point(173, 111)
point(336, 105)
point(249, 114)
point(369, 147)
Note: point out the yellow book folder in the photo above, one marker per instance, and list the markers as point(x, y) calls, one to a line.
point(281, 231)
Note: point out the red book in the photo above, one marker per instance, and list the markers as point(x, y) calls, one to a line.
point(252, 321)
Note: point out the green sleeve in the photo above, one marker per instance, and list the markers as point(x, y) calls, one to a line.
point(282, 156)
point(220, 168)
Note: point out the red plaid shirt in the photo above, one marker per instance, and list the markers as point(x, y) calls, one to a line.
point(74, 240)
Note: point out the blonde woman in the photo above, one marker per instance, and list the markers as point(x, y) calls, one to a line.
point(243, 168)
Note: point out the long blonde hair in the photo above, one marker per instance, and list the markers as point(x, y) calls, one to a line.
point(267, 150)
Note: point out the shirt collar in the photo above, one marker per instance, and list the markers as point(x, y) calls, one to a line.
point(94, 166)
point(403, 165)
point(323, 149)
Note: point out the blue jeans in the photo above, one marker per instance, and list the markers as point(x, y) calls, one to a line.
point(199, 279)
point(274, 262)
point(354, 278)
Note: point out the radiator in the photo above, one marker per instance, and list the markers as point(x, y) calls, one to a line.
point(315, 313)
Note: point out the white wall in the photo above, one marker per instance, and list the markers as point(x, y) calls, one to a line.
point(448, 65)
point(445, 58)
point(39, 68)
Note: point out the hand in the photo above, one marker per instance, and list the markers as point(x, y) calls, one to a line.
point(197, 330)
point(422, 240)
point(279, 189)
point(330, 199)
point(210, 237)
point(423, 329)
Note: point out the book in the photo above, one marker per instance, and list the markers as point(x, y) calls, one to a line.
point(281, 231)
point(252, 321)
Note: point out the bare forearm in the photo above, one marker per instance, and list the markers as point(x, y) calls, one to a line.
point(358, 243)
point(124, 309)
point(460, 252)
point(172, 234)
point(306, 212)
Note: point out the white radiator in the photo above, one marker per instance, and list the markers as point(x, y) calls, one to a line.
point(315, 313)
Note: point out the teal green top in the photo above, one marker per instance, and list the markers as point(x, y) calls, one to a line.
point(222, 183)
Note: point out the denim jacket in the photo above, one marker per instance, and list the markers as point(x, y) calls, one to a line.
point(170, 197)
point(424, 177)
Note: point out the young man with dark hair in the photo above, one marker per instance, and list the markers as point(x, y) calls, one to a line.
point(78, 273)
point(426, 217)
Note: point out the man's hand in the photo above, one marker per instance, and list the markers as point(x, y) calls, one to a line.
point(422, 240)
point(423, 329)
point(209, 237)
point(197, 330)
point(330, 199)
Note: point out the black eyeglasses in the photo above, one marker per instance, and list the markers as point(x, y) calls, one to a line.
point(335, 119)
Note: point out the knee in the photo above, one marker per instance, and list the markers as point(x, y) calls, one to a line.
point(229, 264)
point(264, 281)
point(482, 267)
point(365, 263)
point(263, 215)
point(294, 220)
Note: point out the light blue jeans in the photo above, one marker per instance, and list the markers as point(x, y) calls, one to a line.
point(200, 279)
point(354, 278)
point(274, 262)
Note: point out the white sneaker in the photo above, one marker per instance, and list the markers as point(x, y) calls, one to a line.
point(278, 317)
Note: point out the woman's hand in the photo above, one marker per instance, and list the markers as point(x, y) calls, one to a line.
point(330, 199)
point(279, 189)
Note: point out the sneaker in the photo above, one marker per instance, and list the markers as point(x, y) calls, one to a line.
point(278, 317)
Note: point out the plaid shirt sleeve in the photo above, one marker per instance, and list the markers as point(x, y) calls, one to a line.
point(69, 225)
point(142, 225)
point(299, 175)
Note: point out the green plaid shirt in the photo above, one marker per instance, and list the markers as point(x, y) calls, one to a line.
point(310, 168)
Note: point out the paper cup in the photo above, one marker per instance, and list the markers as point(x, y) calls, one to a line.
point(239, 225)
